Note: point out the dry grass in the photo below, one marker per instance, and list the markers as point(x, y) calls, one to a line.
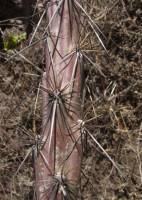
point(111, 167)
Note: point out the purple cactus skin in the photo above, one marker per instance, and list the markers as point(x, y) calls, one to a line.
point(58, 160)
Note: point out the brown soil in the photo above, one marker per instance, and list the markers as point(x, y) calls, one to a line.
point(114, 98)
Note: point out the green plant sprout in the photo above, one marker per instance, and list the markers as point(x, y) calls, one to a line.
point(12, 41)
